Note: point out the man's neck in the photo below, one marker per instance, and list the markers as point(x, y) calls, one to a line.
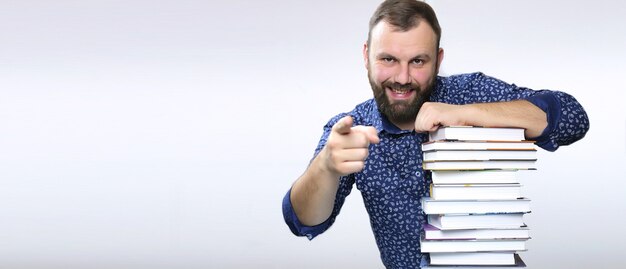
point(406, 126)
point(395, 126)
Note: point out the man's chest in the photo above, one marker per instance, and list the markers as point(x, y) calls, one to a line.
point(394, 167)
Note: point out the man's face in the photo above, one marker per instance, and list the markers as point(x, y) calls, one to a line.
point(402, 67)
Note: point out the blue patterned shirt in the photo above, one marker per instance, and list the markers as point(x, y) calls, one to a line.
point(393, 181)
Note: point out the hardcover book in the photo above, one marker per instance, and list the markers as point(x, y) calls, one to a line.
point(472, 258)
point(473, 245)
point(432, 206)
point(479, 165)
point(432, 233)
point(425, 264)
point(478, 145)
point(475, 191)
point(480, 155)
point(477, 134)
point(476, 221)
point(475, 177)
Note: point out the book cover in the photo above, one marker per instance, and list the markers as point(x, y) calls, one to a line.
point(425, 264)
point(478, 145)
point(472, 258)
point(477, 134)
point(475, 206)
point(480, 155)
point(475, 177)
point(476, 221)
point(479, 165)
point(475, 191)
point(432, 233)
point(473, 245)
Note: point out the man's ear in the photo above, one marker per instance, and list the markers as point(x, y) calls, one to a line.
point(365, 55)
point(439, 58)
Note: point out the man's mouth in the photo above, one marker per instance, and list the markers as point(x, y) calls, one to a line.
point(400, 93)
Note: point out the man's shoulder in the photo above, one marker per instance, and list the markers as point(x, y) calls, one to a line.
point(367, 106)
point(454, 87)
point(365, 113)
point(460, 79)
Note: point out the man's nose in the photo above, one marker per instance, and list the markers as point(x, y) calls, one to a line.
point(403, 76)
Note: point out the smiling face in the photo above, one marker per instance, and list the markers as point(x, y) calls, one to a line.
point(402, 67)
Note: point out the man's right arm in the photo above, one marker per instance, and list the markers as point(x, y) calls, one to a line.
point(313, 194)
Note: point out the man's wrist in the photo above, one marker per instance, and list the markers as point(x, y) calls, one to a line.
point(320, 167)
point(471, 115)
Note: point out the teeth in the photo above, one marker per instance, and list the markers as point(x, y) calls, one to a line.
point(400, 91)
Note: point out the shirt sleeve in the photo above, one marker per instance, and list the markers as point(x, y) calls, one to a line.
point(294, 223)
point(567, 120)
point(345, 187)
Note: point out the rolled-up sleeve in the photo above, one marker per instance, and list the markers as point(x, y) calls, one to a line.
point(296, 226)
point(567, 120)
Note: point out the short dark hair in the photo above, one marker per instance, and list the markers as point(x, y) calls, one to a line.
point(404, 15)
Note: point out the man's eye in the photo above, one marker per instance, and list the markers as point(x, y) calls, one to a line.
point(388, 60)
point(418, 61)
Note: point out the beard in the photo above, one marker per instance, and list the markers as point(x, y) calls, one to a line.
point(400, 111)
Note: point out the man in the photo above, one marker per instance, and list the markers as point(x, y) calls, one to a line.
point(378, 144)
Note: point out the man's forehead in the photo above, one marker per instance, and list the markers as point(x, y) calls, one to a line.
point(389, 36)
point(384, 27)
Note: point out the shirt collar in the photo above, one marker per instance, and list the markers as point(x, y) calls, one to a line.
point(381, 123)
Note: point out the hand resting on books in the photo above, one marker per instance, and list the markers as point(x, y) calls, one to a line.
point(517, 113)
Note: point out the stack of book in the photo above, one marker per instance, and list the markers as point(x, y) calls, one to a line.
point(475, 209)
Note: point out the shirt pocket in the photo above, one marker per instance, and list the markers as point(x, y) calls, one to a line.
point(386, 175)
point(380, 176)
point(378, 181)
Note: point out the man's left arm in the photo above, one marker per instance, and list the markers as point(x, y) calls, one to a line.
point(517, 113)
point(551, 118)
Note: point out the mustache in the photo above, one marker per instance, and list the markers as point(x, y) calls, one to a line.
point(399, 86)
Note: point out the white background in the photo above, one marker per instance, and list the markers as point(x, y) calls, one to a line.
point(164, 134)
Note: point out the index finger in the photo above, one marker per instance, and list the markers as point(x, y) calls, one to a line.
point(344, 125)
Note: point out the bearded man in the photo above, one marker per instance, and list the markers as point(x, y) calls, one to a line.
point(377, 146)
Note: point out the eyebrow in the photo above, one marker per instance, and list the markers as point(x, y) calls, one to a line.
point(423, 56)
point(385, 55)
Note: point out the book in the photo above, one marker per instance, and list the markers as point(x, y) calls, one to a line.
point(432, 206)
point(476, 221)
point(479, 165)
point(480, 155)
point(477, 133)
point(475, 210)
point(432, 233)
point(472, 258)
point(475, 191)
point(475, 176)
point(430, 246)
point(478, 145)
point(425, 264)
